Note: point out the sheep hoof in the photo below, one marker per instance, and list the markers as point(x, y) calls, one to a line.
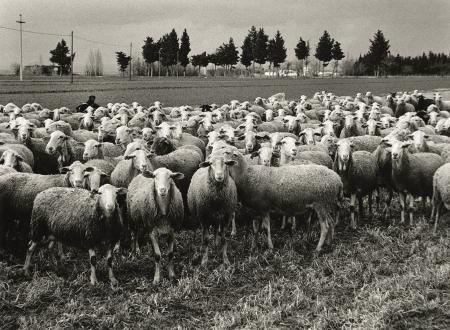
point(27, 273)
point(94, 281)
point(114, 284)
point(155, 281)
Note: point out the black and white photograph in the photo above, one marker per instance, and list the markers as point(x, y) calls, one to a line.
point(225, 164)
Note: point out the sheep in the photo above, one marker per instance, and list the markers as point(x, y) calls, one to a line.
point(403, 107)
point(351, 127)
point(289, 190)
point(129, 167)
point(420, 144)
point(18, 191)
point(12, 159)
point(6, 170)
point(155, 205)
point(57, 215)
point(289, 152)
point(212, 199)
point(308, 136)
point(25, 152)
point(441, 192)
point(365, 142)
point(373, 127)
point(107, 131)
point(67, 149)
point(412, 174)
point(87, 120)
point(124, 136)
point(442, 105)
point(107, 166)
point(100, 150)
point(43, 162)
point(59, 125)
point(358, 171)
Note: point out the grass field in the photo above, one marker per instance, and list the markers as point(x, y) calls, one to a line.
point(52, 92)
point(380, 276)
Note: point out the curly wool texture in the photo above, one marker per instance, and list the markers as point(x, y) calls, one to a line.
point(316, 157)
point(414, 173)
point(361, 174)
point(57, 211)
point(211, 202)
point(366, 142)
point(441, 186)
point(143, 210)
point(188, 139)
point(102, 164)
point(123, 173)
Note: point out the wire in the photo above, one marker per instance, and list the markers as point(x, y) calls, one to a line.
point(35, 32)
point(99, 42)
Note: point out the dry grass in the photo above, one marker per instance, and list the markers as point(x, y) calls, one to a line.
point(377, 277)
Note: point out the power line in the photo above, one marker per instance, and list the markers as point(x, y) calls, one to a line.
point(35, 32)
point(99, 42)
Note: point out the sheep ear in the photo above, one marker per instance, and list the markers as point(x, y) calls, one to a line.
point(364, 125)
point(317, 134)
point(148, 174)
point(130, 156)
point(426, 136)
point(121, 195)
point(406, 144)
point(88, 169)
point(177, 176)
point(98, 145)
point(231, 162)
point(205, 163)
point(297, 143)
point(104, 175)
point(254, 154)
point(242, 137)
point(65, 169)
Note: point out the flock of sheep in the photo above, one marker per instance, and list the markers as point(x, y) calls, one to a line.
point(120, 175)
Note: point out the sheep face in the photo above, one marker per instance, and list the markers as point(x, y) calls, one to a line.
point(218, 167)
point(94, 178)
point(265, 154)
point(147, 134)
point(158, 116)
point(344, 153)
point(291, 123)
point(165, 130)
point(249, 140)
point(397, 149)
point(75, 174)
point(269, 115)
point(163, 180)
point(24, 132)
point(140, 160)
point(56, 115)
point(110, 198)
point(91, 148)
point(372, 126)
point(57, 140)
point(123, 135)
point(419, 139)
point(328, 128)
point(10, 158)
point(307, 136)
point(349, 121)
point(288, 147)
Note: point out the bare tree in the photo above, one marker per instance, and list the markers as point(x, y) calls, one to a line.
point(94, 65)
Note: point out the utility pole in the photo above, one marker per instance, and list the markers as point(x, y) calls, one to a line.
point(21, 57)
point(159, 64)
point(71, 58)
point(131, 48)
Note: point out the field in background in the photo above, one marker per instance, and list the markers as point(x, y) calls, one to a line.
point(51, 92)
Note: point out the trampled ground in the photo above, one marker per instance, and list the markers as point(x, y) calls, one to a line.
point(53, 92)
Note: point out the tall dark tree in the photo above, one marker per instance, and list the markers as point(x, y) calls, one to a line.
point(185, 48)
point(231, 54)
point(200, 60)
point(253, 35)
point(302, 52)
point(260, 53)
point(169, 49)
point(150, 53)
point(276, 52)
point(122, 61)
point(247, 52)
point(337, 54)
point(378, 51)
point(61, 56)
point(323, 50)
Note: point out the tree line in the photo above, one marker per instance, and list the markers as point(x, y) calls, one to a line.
point(169, 53)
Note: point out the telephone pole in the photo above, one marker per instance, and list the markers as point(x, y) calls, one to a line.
point(71, 58)
point(21, 57)
point(131, 48)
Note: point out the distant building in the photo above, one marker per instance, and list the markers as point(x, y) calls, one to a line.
point(37, 70)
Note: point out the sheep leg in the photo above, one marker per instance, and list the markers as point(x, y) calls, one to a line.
point(369, 200)
point(293, 223)
point(61, 255)
point(109, 260)
point(411, 210)
point(205, 243)
point(387, 206)
point(255, 224)
point(217, 232)
point(93, 261)
point(224, 239)
point(360, 207)
point(266, 225)
point(157, 251)
point(402, 204)
point(283, 222)
point(233, 226)
point(324, 226)
point(378, 199)
point(438, 209)
point(30, 251)
point(352, 210)
point(170, 254)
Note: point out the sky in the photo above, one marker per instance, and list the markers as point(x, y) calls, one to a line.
point(412, 26)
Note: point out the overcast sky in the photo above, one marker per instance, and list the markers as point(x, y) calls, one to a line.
point(412, 26)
